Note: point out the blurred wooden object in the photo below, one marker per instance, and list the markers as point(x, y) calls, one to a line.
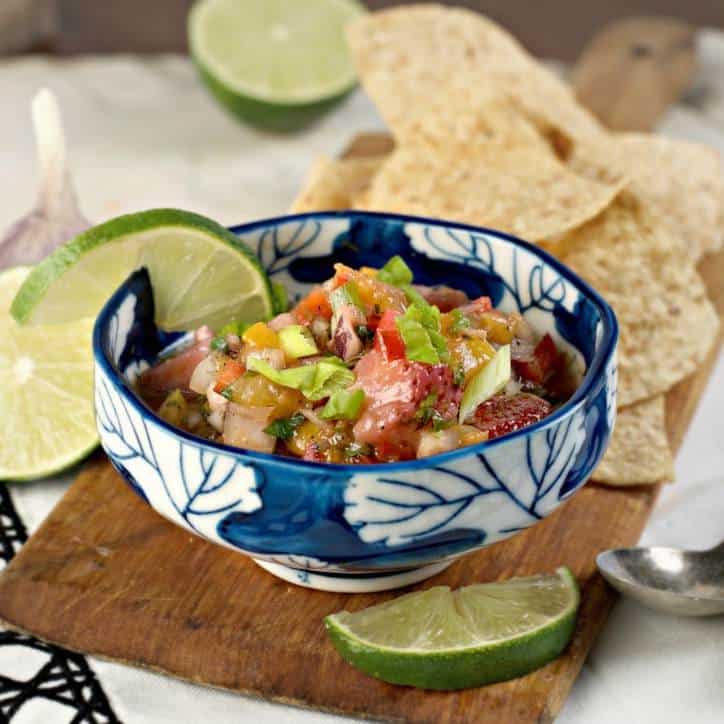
point(634, 69)
point(27, 24)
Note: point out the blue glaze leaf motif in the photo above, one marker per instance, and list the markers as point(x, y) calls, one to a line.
point(189, 485)
point(483, 491)
point(276, 252)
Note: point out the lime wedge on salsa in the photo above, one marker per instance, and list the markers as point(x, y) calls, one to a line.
point(201, 273)
point(46, 391)
point(277, 64)
point(444, 639)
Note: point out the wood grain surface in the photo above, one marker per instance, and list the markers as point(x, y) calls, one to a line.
point(106, 575)
point(634, 69)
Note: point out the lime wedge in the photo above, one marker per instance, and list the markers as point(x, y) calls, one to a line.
point(277, 64)
point(201, 273)
point(46, 391)
point(443, 639)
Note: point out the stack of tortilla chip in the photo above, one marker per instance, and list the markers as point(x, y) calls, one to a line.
point(486, 135)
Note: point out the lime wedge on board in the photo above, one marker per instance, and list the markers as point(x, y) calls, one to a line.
point(46, 391)
point(277, 64)
point(443, 639)
point(201, 273)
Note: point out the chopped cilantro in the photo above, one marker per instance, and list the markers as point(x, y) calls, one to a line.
point(365, 333)
point(439, 422)
point(427, 409)
point(357, 449)
point(284, 428)
point(218, 344)
point(460, 321)
point(228, 392)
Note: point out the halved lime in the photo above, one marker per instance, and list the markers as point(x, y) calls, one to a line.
point(278, 63)
point(443, 639)
point(46, 391)
point(201, 272)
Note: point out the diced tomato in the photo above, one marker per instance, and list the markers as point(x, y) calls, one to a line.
point(315, 304)
point(388, 452)
point(230, 373)
point(393, 393)
point(388, 339)
point(539, 365)
point(373, 321)
point(503, 414)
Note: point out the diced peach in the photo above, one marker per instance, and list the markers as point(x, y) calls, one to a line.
point(315, 304)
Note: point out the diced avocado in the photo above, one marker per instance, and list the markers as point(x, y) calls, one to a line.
point(297, 341)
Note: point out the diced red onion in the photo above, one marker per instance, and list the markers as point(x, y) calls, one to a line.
point(280, 321)
point(273, 356)
point(204, 375)
point(244, 427)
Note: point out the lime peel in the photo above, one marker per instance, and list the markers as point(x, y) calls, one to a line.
point(46, 389)
point(452, 642)
point(277, 64)
point(221, 277)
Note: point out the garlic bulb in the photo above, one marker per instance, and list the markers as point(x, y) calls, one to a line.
point(56, 217)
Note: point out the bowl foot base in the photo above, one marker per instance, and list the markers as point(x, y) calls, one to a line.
point(351, 583)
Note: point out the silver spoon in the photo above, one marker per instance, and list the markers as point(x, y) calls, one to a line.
point(686, 583)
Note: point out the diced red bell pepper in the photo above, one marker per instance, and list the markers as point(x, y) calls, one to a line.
point(315, 304)
point(541, 364)
point(388, 339)
point(230, 373)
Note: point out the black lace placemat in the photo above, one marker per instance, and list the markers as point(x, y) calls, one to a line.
point(63, 677)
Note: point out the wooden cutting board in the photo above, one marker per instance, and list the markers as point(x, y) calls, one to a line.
point(107, 576)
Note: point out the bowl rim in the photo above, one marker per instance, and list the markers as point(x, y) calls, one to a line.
point(593, 373)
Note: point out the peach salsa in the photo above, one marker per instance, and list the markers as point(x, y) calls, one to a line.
point(367, 368)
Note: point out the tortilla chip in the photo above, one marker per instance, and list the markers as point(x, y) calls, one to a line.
point(408, 56)
point(463, 124)
point(639, 450)
point(683, 182)
point(339, 184)
point(667, 324)
point(522, 190)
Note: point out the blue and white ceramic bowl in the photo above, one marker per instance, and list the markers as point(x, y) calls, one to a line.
point(367, 527)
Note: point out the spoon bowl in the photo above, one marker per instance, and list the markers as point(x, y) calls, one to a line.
point(685, 583)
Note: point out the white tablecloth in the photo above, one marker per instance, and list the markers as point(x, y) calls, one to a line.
point(143, 133)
